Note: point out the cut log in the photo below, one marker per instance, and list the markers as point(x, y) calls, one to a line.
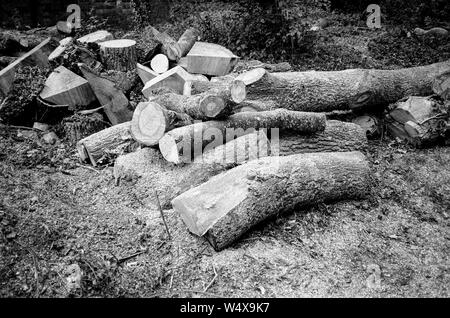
point(184, 143)
point(441, 86)
point(169, 47)
point(160, 63)
point(337, 137)
point(235, 91)
point(114, 101)
point(210, 59)
point(174, 80)
point(151, 121)
point(63, 45)
point(63, 87)
point(186, 42)
point(229, 205)
point(369, 124)
point(242, 66)
point(36, 56)
point(415, 109)
point(65, 27)
point(203, 106)
point(119, 55)
point(145, 73)
point(341, 90)
point(96, 37)
point(113, 140)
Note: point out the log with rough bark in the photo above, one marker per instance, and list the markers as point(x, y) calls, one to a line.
point(369, 124)
point(96, 37)
point(186, 42)
point(174, 79)
point(441, 85)
point(160, 63)
point(151, 121)
point(338, 136)
point(37, 56)
point(64, 87)
point(112, 140)
point(229, 205)
point(145, 73)
point(341, 90)
point(235, 91)
point(210, 59)
point(114, 101)
point(182, 144)
point(119, 55)
point(203, 106)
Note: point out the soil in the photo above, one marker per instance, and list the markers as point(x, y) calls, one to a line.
point(58, 216)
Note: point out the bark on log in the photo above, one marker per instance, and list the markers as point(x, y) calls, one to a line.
point(229, 205)
point(341, 90)
point(184, 143)
point(114, 101)
point(111, 140)
point(235, 91)
point(119, 55)
point(204, 106)
point(338, 136)
point(151, 120)
point(441, 85)
point(186, 42)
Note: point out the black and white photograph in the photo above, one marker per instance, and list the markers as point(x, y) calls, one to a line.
point(224, 154)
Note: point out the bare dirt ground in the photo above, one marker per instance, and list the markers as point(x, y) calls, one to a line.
point(55, 213)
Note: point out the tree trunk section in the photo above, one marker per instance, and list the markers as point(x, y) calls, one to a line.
point(150, 122)
point(235, 91)
point(229, 205)
point(119, 55)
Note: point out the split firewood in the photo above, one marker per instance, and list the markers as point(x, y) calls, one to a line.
point(160, 63)
point(63, 45)
point(36, 56)
point(338, 136)
point(441, 86)
point(174, 80)
point(182, 144)
point(235, 91)
point(119, 55)
point(114, 101)
point(151, 121)
point(229, 205)
point(112, 140)
point(252, 64)
point(145, 73)
point(369, 124)
point(437, 32)
point(210, 59)
point(63, 87)
point(96, 37)
point(340, 90)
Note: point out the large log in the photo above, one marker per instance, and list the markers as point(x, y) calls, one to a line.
point(210, 59)
point(114, 101)
point(63, 87)
point(203, 106)
point(119, 55)
point(182, 144)
point(112, 140)
point(151, 120)
point(338, 136)
point(229, 205)
point(234, 91)
point(37, 56)
point(341, 90)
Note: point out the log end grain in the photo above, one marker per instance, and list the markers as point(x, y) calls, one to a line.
point(148, 124)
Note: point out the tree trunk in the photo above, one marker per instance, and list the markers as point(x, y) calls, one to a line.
point(150, 122)
point(119, 55)
point(114, 101)
point(227, 206)
point(338, 137)
point(184, 143)
point(113, 140)
point(341, 90)
point(235, 91)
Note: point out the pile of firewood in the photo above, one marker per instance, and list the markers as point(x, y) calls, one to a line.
point(229, 147)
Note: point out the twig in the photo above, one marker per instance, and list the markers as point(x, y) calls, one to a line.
point(162, 215)
point(3, 103)
point(213, 280)
point(124, 259)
